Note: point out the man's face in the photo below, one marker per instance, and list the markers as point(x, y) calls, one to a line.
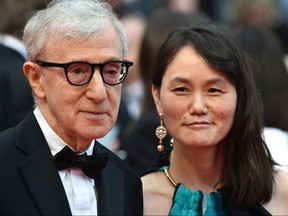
point(79, 114)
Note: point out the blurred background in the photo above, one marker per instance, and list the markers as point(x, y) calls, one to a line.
point(260, 26)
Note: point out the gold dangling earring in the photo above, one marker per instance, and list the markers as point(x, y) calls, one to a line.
point(161, 133)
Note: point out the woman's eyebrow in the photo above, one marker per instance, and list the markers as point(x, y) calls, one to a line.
point(211, 81)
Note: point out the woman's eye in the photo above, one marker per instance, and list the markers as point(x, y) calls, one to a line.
point(180, 89)
point(214, 90)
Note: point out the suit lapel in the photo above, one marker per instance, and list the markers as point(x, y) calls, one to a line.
point(110, 187)
point(39, 171)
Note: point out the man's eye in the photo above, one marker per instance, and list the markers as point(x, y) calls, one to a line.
point(77, 71)
point(111, 72)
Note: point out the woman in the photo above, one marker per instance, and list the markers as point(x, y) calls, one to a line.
point(143, 155)
point(204, 89)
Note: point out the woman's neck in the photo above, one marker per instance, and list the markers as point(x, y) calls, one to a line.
point(197, 168)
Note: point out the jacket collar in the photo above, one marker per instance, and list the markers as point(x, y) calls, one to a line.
point(38, 169)
point(110, 186)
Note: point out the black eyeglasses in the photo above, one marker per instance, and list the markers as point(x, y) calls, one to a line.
point(80, 73)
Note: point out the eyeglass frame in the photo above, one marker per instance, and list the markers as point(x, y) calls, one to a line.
point(65, 66)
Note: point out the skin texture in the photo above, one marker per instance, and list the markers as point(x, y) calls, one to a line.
point(78, 114)
point(204, 101)
point(198, 106)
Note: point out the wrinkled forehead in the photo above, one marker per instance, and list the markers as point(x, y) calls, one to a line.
point(58, 40)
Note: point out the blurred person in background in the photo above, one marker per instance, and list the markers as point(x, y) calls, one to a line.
point(15, 93)
point(266, 54)
point(184, 6)
point(134, 25)
point(119, 6)
point(263, 13)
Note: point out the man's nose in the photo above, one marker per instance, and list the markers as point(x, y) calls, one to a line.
point(96, 88)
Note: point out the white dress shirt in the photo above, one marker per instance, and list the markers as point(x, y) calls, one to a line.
point(80, 189)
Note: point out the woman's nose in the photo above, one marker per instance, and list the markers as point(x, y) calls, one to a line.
point(198, 104)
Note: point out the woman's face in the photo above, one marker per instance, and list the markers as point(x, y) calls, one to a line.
point(198, 103)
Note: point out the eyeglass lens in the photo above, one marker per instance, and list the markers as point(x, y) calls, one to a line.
point(81, 73)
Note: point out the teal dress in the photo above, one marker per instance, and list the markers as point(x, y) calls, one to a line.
point(195, 202)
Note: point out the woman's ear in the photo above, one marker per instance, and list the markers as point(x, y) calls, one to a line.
point(156, 96)
point(32, 73)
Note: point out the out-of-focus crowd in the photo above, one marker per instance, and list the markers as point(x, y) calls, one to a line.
point(260, 26)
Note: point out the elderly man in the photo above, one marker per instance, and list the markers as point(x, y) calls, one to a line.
point(50, 163)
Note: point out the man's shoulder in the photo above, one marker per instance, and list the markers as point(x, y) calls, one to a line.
point(7, 136)
point(25, 136)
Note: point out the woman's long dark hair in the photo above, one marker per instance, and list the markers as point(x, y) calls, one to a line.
point(248, 167)
point(266, 51)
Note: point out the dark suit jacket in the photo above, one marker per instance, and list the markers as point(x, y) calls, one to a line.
point(15, 93)
point(31, 185)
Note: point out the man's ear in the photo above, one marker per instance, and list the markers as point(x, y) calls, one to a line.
point(156, 97)
point(32, 73)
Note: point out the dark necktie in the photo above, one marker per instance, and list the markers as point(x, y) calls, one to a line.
point(90, 165)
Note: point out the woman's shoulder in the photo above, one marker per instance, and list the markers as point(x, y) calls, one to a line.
point(278, 203)
point(281, 185)
point(157, 192)
point(156, 182)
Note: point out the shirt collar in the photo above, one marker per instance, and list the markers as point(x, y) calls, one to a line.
point(55, 143)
